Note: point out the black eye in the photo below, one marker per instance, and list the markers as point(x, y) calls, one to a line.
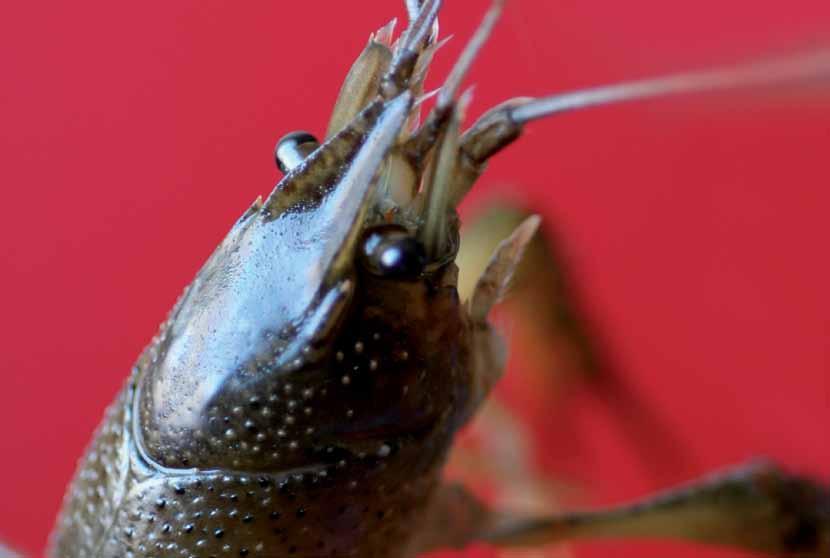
point(293, 148)
point(390, 251)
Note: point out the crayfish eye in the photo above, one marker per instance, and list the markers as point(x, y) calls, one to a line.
point(390, 251)
point(293, 148)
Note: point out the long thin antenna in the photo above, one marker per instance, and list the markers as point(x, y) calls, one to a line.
point(813, 66)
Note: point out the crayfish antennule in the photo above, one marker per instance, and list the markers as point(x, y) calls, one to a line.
point(438, 184)
point(503, 124)
point(423, 140)
point(462, 65)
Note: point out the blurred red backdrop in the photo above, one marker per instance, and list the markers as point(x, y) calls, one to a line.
point(133, 134)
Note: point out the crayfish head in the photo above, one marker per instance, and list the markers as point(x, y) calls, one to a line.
point(328, 321)
point(316, 324)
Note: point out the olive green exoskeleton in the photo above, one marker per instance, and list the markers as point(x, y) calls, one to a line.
point(302, 396)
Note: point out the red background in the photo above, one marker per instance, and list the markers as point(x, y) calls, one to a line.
point(133, 134)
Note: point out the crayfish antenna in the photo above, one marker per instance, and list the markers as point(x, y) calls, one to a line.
point(805, 67)
point(503, 124)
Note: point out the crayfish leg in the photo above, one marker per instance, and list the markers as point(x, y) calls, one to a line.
point(489, 354)
point(541, 291)
point(756, 507)
point(547, 327)
point(562, 353)
point(494, 281)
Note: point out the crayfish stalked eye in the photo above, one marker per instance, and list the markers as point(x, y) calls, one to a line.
point(293, 148)
point(390, 251)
